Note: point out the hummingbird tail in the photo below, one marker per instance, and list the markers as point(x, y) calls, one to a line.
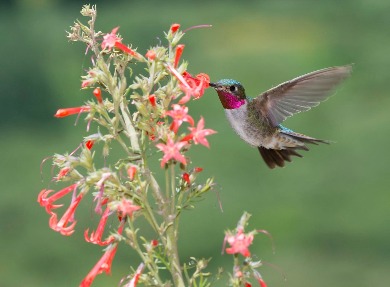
point(277, 157)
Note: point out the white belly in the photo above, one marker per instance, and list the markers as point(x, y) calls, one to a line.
point(249, 132)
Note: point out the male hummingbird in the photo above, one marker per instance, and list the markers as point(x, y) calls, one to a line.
point(258, 121)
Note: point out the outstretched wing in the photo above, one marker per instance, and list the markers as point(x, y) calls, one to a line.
point(299, 94)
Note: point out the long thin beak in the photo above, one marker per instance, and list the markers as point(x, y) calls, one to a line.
point(214, 85)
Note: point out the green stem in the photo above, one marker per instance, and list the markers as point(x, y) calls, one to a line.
point(149, 263)
point(130, 127)
point(173, 256)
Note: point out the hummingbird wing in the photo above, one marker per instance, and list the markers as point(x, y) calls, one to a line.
point(299, 94)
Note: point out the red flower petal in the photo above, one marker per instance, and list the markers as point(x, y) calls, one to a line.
point(174, 28)
point(71, 111)
point(98, 94)
point(178, 52)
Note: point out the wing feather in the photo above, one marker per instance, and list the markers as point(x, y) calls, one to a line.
point(299, 94)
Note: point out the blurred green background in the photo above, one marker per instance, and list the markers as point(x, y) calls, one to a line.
point(328, 213)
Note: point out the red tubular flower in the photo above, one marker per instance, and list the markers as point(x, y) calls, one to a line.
point(179, 114)
point(192, 87)
point(61, 113)
point(47, 202)
point(127, 50)
point(96, 237)
point(110, 39)
point(174, 28)
point(154, 242)
point(178, 52)
point(64, 171)
point(61, 225)
point(239, 243)
point(151, 55)
point(198, 169)
point(171, 150)
point(186, 178)
point(259, 279)
point(197, 85)
point(133, 282)
point(89, 144)
point(152, 100)
point(103, 265)
point(98, 94)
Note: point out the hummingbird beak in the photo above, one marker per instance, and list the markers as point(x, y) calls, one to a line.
point(214, 85)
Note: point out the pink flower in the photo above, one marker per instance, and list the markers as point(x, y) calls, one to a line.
point(179, 115)
point(87, 82)
point(174, 28)
point(133, 282)
point(171, 150)
point(131, 172)
point(47, 202)
point(198, 134)
point(71, 111)
point(110, 39)
point(239, 243)
point(127, 208)
point(151, 55)
point(178, 52)
point(99, 197)
point(96, 237)
point(62, 226)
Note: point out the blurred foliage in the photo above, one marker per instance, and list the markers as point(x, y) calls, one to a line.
point(328, 213)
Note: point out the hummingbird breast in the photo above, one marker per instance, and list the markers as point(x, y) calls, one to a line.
point(249, 125)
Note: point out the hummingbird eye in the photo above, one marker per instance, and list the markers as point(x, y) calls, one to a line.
point(233, 88)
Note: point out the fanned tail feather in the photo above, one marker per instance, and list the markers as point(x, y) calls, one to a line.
point(274, 157)
point(278, 157)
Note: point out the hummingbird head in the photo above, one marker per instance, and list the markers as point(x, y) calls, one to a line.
point(230, 92)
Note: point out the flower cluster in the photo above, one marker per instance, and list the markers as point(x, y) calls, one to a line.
point(144, 117)
point(147, 119)
point(239, 242)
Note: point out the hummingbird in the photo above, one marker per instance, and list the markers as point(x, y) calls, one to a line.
point(258, 120)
